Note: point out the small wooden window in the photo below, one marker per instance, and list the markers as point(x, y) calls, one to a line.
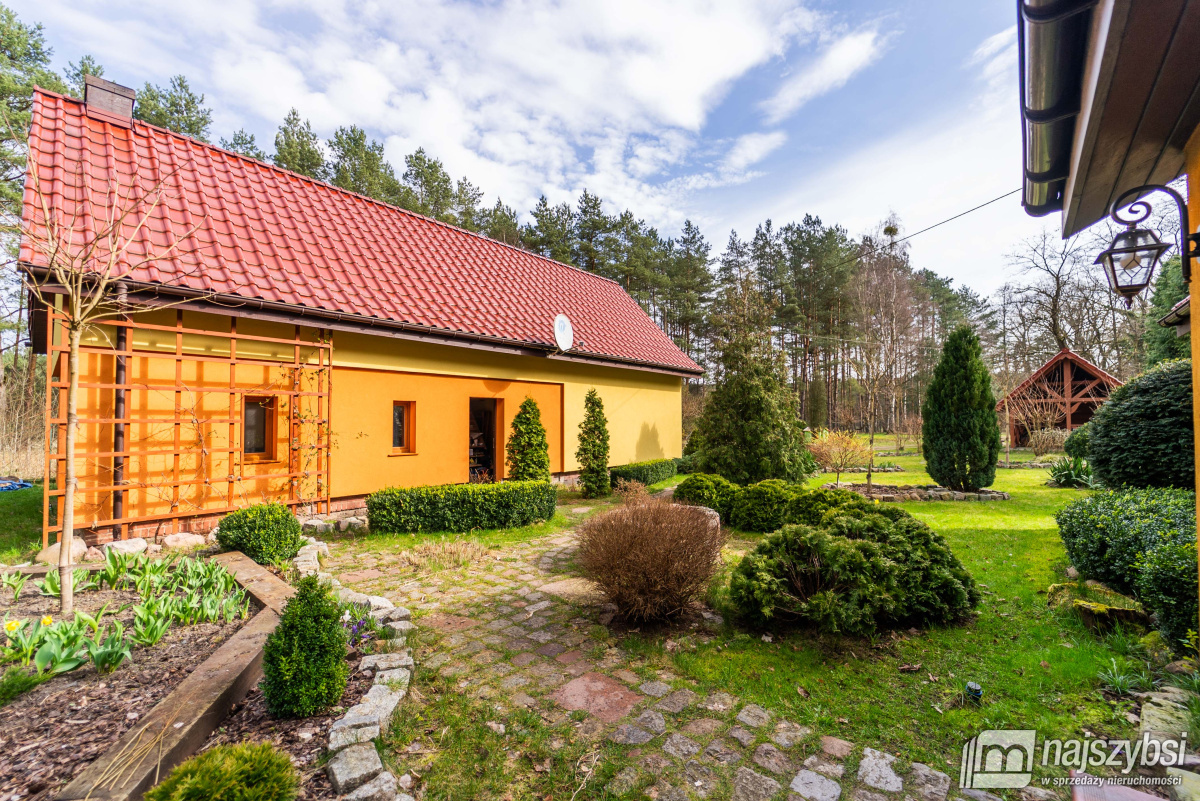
point(258, 428)
point(403, 427)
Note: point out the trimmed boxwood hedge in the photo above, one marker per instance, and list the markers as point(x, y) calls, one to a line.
point(647, 473)
point(461, 507)
point(1166, 585)
point(1105, 533)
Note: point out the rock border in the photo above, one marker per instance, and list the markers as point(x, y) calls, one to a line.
point(886, 493)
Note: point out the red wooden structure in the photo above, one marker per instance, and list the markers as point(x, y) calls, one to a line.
point(1062, 393)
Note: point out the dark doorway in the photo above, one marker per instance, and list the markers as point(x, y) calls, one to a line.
point(483, 450)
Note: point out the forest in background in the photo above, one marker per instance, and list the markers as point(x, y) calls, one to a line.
point(851, 317)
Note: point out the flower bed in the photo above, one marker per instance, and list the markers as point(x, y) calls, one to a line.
point(888, 493)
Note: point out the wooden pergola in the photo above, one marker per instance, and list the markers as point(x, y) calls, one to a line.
point(1062, 393)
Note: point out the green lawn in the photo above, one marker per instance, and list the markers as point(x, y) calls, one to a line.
point(20, 524)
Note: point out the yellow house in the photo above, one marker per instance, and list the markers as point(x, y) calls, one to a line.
point(292, 341)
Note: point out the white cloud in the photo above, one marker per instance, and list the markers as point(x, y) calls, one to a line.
point(752, 148)
point(840, 61)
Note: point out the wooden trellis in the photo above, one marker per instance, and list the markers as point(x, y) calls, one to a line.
point(107, 500)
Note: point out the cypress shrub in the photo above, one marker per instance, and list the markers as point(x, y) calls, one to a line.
point(1106, 533)
point(1142, 435)
point(593, 447)
point(267, 532)
point(304, 659)
point(647, 473)
point(527, 450)
point(460, 507)
point(959, 431)
point(1076, 445)
point(242, 772)
point(705, 489)
point(809, 508)
point(762, 506)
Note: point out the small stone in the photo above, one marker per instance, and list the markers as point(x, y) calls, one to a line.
point(627, 676)
point(655, 688)
point(751, 786)
point(623, 782)
point(132, 545)
point(815, 787)
point(1036, 794)
point(626, 734)
point(379, 603)
point(405, 782)
point(818, 762)
point(93, 554)
point(397, 628)
point(304, 735)
point(49, 554)
point(677, 701)
point(1188, 788)
point(754, 716)
point(787, 734)
point(681, 747)
point(700, 779)
point(183, 542)
point(722, 754)
point(719, 702)
point(497, 728)
point(875, 770)
point(933, 785)
point(389, 661)
point(381, 788)
point(344, 738)
point(353, 767)
point(771, 758)
point(746, 738)
point(835, 747)
point(652, 721)
point(665, 792)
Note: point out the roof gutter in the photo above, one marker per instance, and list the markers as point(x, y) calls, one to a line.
point(1052, 38)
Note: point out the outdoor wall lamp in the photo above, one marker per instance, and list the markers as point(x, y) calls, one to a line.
point(1130, 260)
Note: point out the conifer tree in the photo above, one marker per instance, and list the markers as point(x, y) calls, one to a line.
point(243, 142)
point(176, 107)
point(298, 149)
point(593, 447)
point(527, 449)
point(959, 430)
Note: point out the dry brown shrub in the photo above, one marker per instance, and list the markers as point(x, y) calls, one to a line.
point(652, 558)
point(631, 493)
point(442, 554)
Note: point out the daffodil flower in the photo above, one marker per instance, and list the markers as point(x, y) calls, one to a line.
point(47, 620)
point(12, 625)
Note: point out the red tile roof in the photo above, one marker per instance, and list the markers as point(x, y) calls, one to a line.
point(269, 234)
point(1066, 354)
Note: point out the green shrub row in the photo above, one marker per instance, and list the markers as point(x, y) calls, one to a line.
point(771, 504)
point(1140, 542)
point(856, 572)
point(460, 507)
point(647, 473)
point(267, 532)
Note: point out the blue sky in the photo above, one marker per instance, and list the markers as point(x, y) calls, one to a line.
point(726, 113)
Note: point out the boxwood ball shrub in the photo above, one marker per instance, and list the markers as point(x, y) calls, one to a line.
point(243, 772)
point(708, 489)
point(647, 473)
point(651, 558)
point(267, 532)
point(1166, 585)
point(1142, 435)
point(762, 506)
point(1106, 533)
point(1076, 445)
point(856, 573)
point(304, 659)
point(461, 507)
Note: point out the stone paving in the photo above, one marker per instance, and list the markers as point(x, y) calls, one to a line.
point(521, 629)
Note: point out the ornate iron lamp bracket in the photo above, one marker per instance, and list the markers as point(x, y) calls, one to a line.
point(1139, 211)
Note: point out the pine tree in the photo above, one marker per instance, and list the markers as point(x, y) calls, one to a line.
point(77, 71)
point(527, 449)
point(176, 107)
point(593, 447)
point(431, 186)
point(818, 404)
point(298, 149)
point(959, 431)
point(500, 223)
point(552, 232)
point(243, 142)
point(592, 225)
point(750, 429)
point(357, 164)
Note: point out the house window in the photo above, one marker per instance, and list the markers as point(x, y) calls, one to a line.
point(258, 428)
point(403, 425)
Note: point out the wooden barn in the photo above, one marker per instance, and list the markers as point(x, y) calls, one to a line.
point(1062, 393)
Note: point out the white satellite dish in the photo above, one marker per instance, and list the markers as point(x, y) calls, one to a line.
point(564, 333)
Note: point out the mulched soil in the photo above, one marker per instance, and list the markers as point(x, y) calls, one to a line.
point(303, 739)
point(51, 733)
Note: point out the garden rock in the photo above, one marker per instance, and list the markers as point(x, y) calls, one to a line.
point(1181, 667)
point(875, 770)
point(1163, 717)
point(929, 784)
point(183, 542)
point(1036, 794)
point(630, 735)
point(743, 736)
point(396, 679)
point(701, 780)
point(623, 782)
point(721, 753)
point(93, 555)
point(754, 716)
point(751, 786)
point(656, 688)
point(378, 602)
point(818, 762)
point(787, 734)
point(681, 747)
point(769, 757)
point(835, 747)
point(398, 628)
point(49, 554)
point(344, 738)
point(652, 721)
point(381, 788)
point(130, 546)
point(815, 787)
point(719, 702)
point(1188, 788)
point(377, 662)
point(677, 701)
point(353, 767)
point(391, 615)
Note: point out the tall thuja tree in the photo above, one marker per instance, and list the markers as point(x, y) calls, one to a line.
point(527, 449)
point(750, 428)
point(959, 431)
point(593, 447)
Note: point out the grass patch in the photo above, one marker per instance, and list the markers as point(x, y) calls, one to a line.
point(20, 524)
point(16, 681)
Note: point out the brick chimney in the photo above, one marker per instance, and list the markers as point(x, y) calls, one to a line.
point(108, 101)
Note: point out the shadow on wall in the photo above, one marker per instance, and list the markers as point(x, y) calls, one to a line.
point(648, 445)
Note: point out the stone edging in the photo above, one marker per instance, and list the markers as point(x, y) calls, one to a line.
point(925, 492)
point(894, 469)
